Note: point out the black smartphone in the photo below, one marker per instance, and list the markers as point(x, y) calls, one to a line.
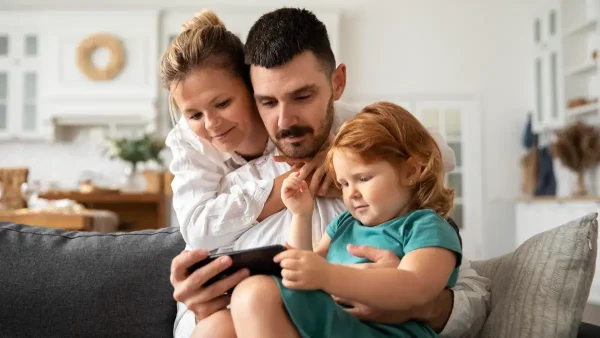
point(259, 261)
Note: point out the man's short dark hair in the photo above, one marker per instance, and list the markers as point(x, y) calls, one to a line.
point(278, 36)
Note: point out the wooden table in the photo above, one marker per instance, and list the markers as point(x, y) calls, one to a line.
point(75, 222)
point(136, 211)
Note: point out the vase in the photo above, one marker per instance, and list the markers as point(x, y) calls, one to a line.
point(581, 189)
point(133, 181)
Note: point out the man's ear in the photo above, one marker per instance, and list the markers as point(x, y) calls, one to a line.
point(411, 172)
point(338, 80)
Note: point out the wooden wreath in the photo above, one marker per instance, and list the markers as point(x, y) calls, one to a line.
point(84, 57)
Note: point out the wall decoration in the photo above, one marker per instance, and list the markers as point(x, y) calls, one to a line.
point(86, 64)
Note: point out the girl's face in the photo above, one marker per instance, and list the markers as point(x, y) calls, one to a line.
point(218, 108)
point(374, 193)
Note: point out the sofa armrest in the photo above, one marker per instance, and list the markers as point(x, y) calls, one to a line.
point(587, 330)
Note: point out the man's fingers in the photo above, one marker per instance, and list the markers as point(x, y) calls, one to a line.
point(307, 169)
point(327, 181)
point(218, 288)
point(364, 251)
point(341, 300)
point(356, 312)
point(202, 275)
point(316, 180)
point(183, 261)
point(204, 309)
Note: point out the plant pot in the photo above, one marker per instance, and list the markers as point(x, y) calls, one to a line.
point(132, 181)
point(154, 181)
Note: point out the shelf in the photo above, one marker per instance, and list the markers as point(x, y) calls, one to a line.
point(585, 109)
point(581, 27)
point(588, 67)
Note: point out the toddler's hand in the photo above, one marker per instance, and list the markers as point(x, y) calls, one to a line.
point(296, 195)
point(303, 270)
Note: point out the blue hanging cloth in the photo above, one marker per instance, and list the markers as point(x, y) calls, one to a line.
point(546, 182)
point(529, 139)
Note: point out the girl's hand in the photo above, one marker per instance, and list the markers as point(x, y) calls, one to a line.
point(313, 171)
point(303, 270)
point(296, 195)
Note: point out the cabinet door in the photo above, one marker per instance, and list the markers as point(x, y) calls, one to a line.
point(539, 81)
point(459, 123)
point(555, 94)
point(547, 67)
point(27, 106)
point(7, 46)
point(546, 22)
point(19, 78)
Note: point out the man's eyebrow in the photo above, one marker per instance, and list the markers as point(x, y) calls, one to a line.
point(259, 97)
point(308, 87)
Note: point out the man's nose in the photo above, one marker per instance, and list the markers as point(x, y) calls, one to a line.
point(287, 117)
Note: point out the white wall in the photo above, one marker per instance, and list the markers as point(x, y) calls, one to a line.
point(474, 47)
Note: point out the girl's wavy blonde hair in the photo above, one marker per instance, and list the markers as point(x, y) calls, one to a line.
point(384, 131)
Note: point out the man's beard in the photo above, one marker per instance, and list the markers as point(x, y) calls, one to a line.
point(312, 142)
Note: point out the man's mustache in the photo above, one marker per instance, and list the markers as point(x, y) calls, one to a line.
point(295, 131)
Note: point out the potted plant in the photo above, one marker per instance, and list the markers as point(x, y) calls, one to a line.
point(135, 151)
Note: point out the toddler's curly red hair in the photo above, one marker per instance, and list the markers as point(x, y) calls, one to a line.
point(384, 131)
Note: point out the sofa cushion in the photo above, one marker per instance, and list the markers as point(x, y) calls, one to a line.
point(540, 289)
point(58, 283)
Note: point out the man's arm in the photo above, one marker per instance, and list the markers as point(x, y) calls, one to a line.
point(471, 304)
point(457, 312)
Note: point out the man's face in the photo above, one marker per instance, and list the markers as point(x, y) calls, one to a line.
point(295, 102)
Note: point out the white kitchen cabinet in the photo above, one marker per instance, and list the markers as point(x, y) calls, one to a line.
point(565, 35)
point(539, 215)
point(547, 66)
point(20, 73)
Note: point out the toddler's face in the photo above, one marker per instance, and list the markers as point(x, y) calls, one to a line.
point(374, 193)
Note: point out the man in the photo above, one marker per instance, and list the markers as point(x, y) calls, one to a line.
point(296, 82)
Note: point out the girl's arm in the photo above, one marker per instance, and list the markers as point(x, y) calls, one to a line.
point(301, 232)
point(419, 279)
point(301, 236)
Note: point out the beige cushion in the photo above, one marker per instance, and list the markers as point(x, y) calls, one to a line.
point(540, 289)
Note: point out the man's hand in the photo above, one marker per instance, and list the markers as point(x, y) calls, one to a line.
point(313, 171)
point(303, 270)
point(189, 289)
point(380, 258)
point(435, 314)
point(369, 314)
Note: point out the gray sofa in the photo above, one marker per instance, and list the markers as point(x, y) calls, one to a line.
point(56, 283)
